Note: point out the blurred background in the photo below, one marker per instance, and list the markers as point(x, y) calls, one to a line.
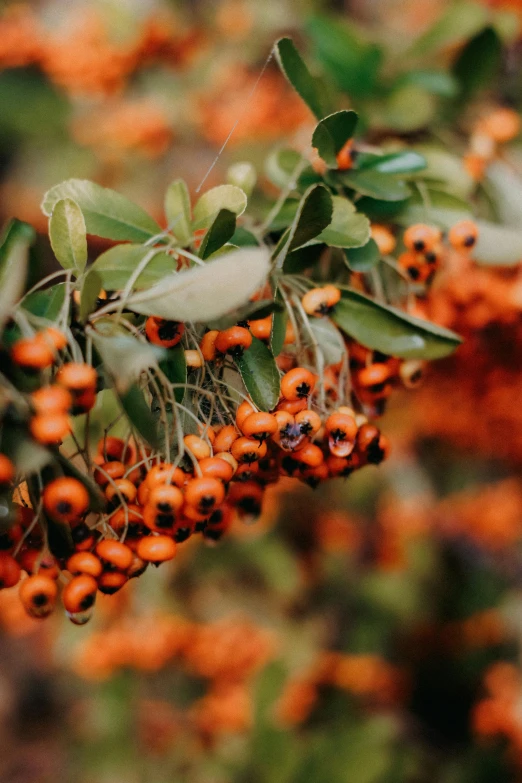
point(365, 632)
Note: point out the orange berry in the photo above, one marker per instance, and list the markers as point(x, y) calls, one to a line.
point(159, 331)
point(79, 594)
point(50, 429)
point(261, 328)
point(38, 595)
point(346, 156)
point(383, 238)
point(77, 377)
point(9, 571)
point(248, 450)
point(227, 435)
point(7, 471)
point(84, 563)
point(463, 235)
point(51, 399)
point(197, 446)
point(207, 345)
point(32, 354)
point(297, 384)
point(204, 494)
point(234, 341)
point(421, 237)
point(156, 549)
point(259, 425)
point(114, 555)
point(65, 499)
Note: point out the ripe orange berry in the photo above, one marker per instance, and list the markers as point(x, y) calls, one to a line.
point(193, 359)
point(51, 399)
point(371, 447)
point(34, 561)
point(217, 467)
point(342, 432)
point(292, 406)
point(207, 345)
point(79, 594)
point(261, 328)
point(9, 571)
point(198, 446)
point(321, 301)
point(112, 448)
point(84, 401)
point(131, 515)
point(77, 377)
point(309, 422)
point(111, 581)
point(297, 384)
point(244, 410)
point(38, 595)
point(156, 549)
point(204, 494)
point(247, 498)
point(259, 426)
point(346, 156)
point(502, 125)
point(165, 498)
point(413, 265)
point(84, 563)
point(7, 471)
point(374, 377)
point(32, 354)
point(65, 499)
point(165, 473)
point(107, 471)
point(226, 436)
point(383, 238)
point(159, 331)
point(463, 235)
point(114, 555)
point(310, 455)
point(421, 238)
point(121, 489)
point(234, 341)
point(248, 450)
point(50, 429)
point(83, 537)
point(53, 338)
point(289, 334)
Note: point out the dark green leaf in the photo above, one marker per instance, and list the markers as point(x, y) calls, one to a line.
point(175, 368)
point(302, 259)
point(46, 303)
point(117, 264)
point(92, 285)
point(139, 415)
point(362, 259)
point(107, 213)
point(332, 133)
point(221, 230)
point(14, 251)
point(351, 62)
point(278, 331)
point(391, 331)
point(373, 183)
point(260, 375)
point(313, 216)
point(243, 238)
point(403, 162)
point(478, 62)
point(298, 75)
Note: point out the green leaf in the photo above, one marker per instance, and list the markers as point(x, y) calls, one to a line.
point(206, 292)
point(332, 133)
point(227, 197)
point(125, 358)
point(391, 331)
point(260, 375)
point(403, 162)
point(221, 230)
point(14, 252)
point(302, 259)
point(459, 22)
point(175, 368)
point(249, 312)
point(67, 234)
point(506, 186)
point(443, 209)
point(408, 108)
point(282, 168)
point(107, 213)
point(498, 245)
point(478, 62)
point(377, 185)
point(313, 216)
point(243, 238)
point(434, 81)
point(278, 331)
point(91, 288)
point(46, 303)
point(177, 211)
point(348, 228)
point(329, 339)
point(139, 415)
point(117, 264)
point(297, 73)
point(362, 259)
point(446, 170)
point(243, 175)
point(353, 63)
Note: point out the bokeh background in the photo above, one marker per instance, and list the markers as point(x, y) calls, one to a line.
point(365, 632)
